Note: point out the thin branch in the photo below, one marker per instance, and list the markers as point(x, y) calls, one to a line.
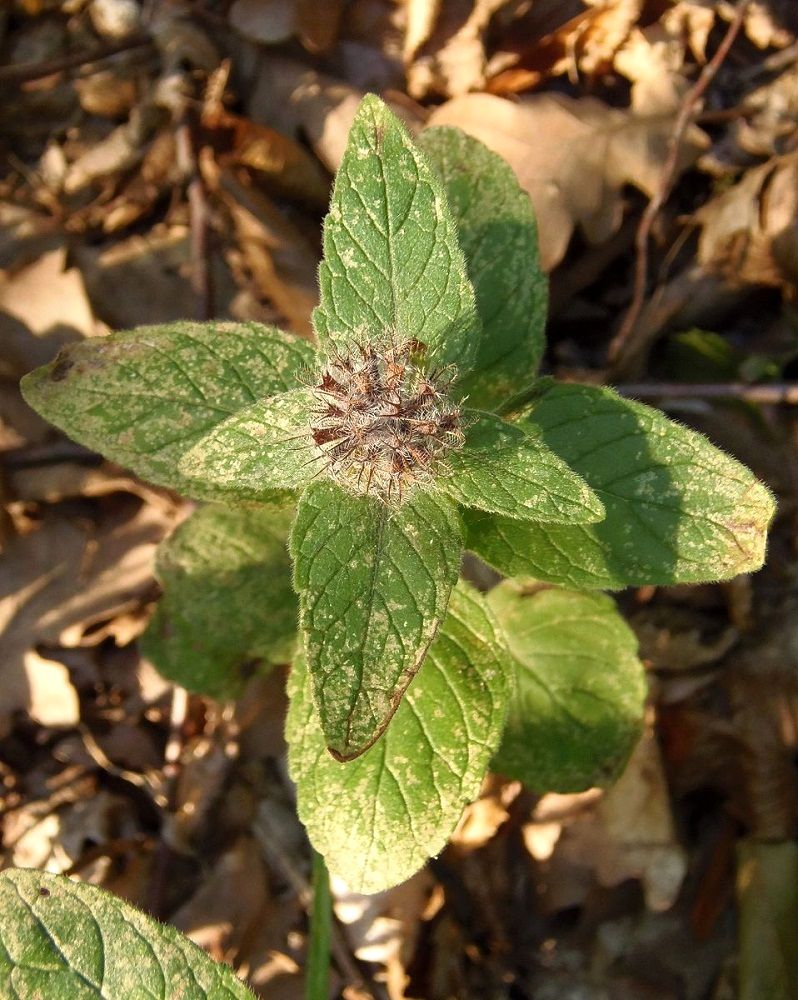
point(774, 394)
point(198, 222)
point(27, 72)
point(623, 343)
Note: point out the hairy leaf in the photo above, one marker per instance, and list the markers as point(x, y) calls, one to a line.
point(374, 582)
point(579, 689)
point(378, 818)
point(65, 940)
point(503, 470)
point(264, 447)
point(678, 509)
point(144, 397)
point(228, 604)
point(391, 257)
point(498, 234)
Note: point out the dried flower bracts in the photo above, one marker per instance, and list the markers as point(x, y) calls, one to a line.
point(382, 423)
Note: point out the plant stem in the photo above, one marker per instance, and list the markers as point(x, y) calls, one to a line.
point(317, 969)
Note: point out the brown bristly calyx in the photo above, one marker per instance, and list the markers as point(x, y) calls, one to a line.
point(382, 423)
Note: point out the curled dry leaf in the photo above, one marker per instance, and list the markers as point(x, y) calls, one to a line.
point(451, 59)
point(42, 307)
point(573, 157)
point(630, 833)
point(303, 103)
point(749, 234)
point(282, 263)
point(60, 580)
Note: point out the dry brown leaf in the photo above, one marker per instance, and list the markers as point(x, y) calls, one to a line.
point(573, 157)
point(385, 927)
point(231, 898)
point(483, 817)
point(298, 101)
point(452, 60)
point(749, 234)
point(653, 60)
point(420, 17)
point(768, 127)
point(52, 700)
point(604, 32)
point(118, 152)
point(107, 94)
point(53, 481)
point(154, 270)
point(278, 256)
point(115, 19)
point(63, 578)
point(42, 306)
point(631, 832)
point(692, 20)
point(282, 162)
point(765, 21)
point(265, 21)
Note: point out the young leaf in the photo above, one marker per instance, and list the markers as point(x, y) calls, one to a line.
point(228, 599)
point(504, 470)
point(378, 818)
point(678, 509)
point(373, 582)
point(499, 237)
point(145, 396)
point(67, 940)
point(391, 257)
point(263, 448)
point(579, 689)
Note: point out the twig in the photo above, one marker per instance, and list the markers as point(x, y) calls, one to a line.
point(777, 393)
point(198, 222)
point(623, 343)
point(27, 72)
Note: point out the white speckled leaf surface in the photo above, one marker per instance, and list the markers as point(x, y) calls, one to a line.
point(498, 235)
point(65, 940)
point(579, 689)
point(678, 509)
point(262, 448)
point(503, 470)
point(377, 819)
point(374, 582)
point(228, 604)
point(144, 397)
point(391, 256)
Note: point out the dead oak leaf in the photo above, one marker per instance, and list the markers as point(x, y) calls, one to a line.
point(57, 582)
point(573, 157)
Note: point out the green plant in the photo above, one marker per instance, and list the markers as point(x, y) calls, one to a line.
point(416, 430)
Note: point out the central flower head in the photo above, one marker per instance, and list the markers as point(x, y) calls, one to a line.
point(382, 423)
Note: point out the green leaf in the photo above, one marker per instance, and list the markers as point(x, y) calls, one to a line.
point(374, 582)
point(65, 940)
point(145, 396)
point(228, 601)
point(264, 447)
point(377, 820)
point(498, 234)
point(678, 509)
point(503, 470)
point(767, 907)
point(579, 689)
point(391, 257)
